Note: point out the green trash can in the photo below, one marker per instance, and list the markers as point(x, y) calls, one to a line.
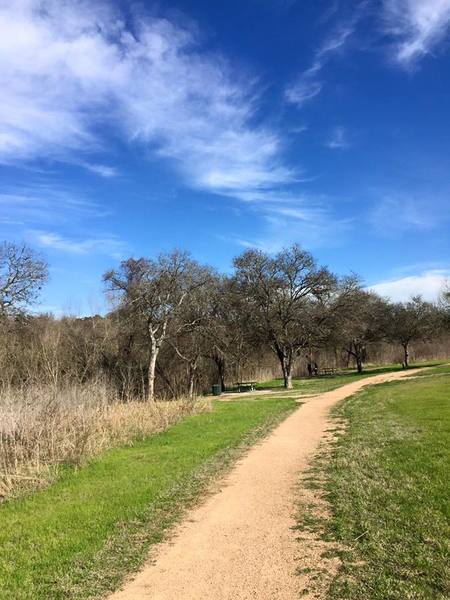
point(216, 389)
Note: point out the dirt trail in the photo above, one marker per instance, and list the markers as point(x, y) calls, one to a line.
point(239, 543)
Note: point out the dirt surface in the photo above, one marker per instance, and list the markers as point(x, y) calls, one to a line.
point(240, 542)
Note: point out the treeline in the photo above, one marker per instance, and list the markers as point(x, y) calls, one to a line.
point(176, 326)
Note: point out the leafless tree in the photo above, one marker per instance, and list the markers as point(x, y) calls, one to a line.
point(189, 333)
point(283, 292)
point(150, 294)
point(230, 340)
point(22, 275)
point(362, 323)
point(411, 321)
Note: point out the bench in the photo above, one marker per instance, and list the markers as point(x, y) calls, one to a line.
point(246, 386)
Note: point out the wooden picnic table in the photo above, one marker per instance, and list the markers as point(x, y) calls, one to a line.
point(246, 386)
point(327, 371)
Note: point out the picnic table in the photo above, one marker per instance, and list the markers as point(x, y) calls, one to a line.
point(246, 386)
point(327, 371)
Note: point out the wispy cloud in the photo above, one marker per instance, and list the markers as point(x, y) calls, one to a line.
point(71, 70)
point(38, 205)
point(417, 26)
point(305, 88)
point(310, 83)
point(394, 214)
point(299, 129)
point(290, 217)
point(279, 232)
point(338, 139)
point(55, 219)
point(102, 170)
point(110, 245)
point(428, 284)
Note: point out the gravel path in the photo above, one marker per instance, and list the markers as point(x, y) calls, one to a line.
point(239, 543)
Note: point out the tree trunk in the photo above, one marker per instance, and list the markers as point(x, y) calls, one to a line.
point(287, 374)
point(285, 356)
point(359, 354)
point(288, 381)
point(192, 371)
point(154, 349)
point(359, 363)
point(405, 355)
point(220, 362)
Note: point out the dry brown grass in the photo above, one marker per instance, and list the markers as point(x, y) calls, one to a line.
point(43, 427)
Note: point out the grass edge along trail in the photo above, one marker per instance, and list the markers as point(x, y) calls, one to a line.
point(81, 536)
point(381, 501)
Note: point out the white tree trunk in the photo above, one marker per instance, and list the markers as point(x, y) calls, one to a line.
point(191, 382)
point(152, 370)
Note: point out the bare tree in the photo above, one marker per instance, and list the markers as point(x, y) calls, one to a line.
point(283, 292)
point(362, 323)
point(328, 315)
point(190, 331)
point(22, 274)
point(230, 340)
point(151, 293)
point(411, 321)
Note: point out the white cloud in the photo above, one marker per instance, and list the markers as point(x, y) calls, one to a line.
point(110, 246)
point(338, 139)
point(290, 217)
point(418, 26)
point(428, 284)
point(395, 214)
point(279, 232)
point(54, 219)
point(102, 170)
point(69, 70)
point(42, 205)
point(304, 89)
point(299, 129)
point(310, 83)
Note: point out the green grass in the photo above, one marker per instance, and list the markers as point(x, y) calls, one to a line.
point(387, 481)
point(438, 370)
point(317, 385)
point(77, 538)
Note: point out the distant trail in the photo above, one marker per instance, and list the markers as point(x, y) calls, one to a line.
point(239, 543)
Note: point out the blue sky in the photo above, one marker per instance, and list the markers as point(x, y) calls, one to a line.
point(129, 128)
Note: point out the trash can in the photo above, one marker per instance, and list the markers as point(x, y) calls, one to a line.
point(216, 389)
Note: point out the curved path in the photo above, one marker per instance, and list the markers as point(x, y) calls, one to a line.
point(239, 543)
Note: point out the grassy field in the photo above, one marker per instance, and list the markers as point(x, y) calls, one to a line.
point(80, 536)
point(77, 538)
point(442, 369)
point(387, 481)
point(317, 385)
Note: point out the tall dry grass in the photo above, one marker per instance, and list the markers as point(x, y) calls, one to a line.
point(43, 427)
